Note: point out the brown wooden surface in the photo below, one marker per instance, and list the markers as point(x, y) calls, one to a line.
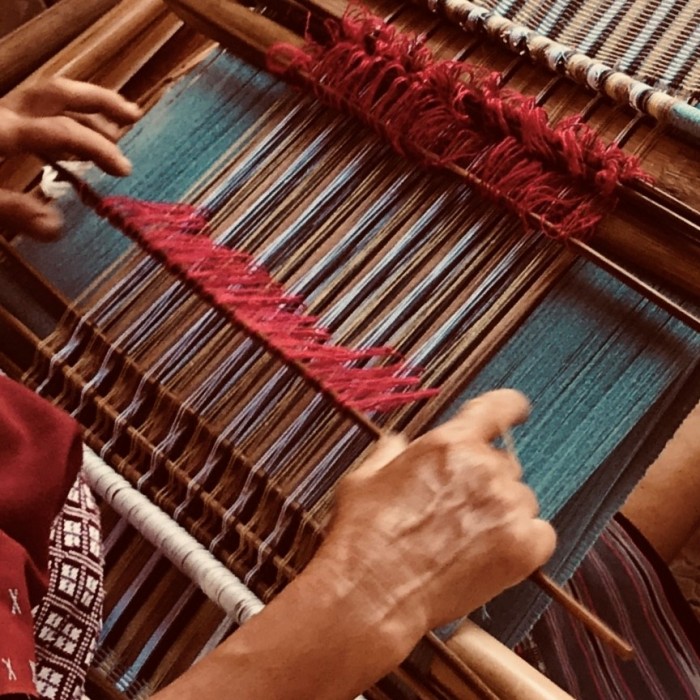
point(32, 44)
point(16, 12)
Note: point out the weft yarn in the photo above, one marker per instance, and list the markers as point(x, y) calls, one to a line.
point(364, 379)
point(448, 114)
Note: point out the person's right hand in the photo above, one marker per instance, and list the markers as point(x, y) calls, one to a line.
point(422, 534)
point(439, 527)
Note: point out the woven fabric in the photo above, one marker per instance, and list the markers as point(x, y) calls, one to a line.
point(608, 360)
point(657, 41)
point(624, 581)
point(69, 618)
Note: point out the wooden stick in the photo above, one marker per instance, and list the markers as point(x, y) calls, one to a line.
point(104, 40)
point(415, 684)
point(29, 46)
point(592, 623)
point(646, 290)
point(119, 69)
point(506, 675)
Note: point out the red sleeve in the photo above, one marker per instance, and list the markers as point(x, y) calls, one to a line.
point(40, 455)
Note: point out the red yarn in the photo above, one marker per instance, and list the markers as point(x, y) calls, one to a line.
point(450, 114)
point(367, 379)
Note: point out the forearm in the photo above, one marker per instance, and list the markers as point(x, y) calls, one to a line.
point(328, 635)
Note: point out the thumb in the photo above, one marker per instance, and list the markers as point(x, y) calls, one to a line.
point(24, 213)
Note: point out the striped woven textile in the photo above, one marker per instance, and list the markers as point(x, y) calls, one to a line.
point(657, 41)
point(622, 579)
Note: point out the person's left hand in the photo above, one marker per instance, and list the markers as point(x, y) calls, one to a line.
point(55, 119)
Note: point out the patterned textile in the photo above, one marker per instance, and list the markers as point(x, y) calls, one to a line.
point(69, 618)
point(40, 457)
point(657, 41)
point(57, 557)
point(625, 582)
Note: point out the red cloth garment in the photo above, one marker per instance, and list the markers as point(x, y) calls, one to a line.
point(40, 456)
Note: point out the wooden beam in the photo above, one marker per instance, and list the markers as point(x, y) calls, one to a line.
point(29, 46)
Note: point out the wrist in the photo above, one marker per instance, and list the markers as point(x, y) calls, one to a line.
point(373, 600)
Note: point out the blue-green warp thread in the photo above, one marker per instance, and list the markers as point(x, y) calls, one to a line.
point(596, 360)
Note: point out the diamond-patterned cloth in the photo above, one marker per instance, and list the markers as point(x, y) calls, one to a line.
point(68, 620)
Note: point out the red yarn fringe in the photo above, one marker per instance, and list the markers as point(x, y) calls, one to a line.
point(559, 179)
point(367, 379)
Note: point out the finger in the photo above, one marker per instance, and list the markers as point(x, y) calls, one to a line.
point(24, 213)
point(385, 450)
point(56, 136)
point(542, 540)
point(60, 95)
point(98, 123)
point(488, 416)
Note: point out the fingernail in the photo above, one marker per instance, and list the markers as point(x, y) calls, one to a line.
point(125, 166)
point(136, 109)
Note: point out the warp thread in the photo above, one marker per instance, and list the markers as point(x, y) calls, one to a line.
point(365, 379)
point(442, 113)
point(448, 114)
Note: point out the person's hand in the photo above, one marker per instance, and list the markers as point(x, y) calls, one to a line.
point(422, 534)
point(437, 528)
point(55, 119)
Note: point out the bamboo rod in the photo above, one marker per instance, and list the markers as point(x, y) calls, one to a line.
point(506, 675)
point(29, 46)
point(106, 39)
point(234, 26)
point(120, 68)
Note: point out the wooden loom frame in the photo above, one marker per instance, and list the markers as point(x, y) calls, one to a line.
point(99, 46)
